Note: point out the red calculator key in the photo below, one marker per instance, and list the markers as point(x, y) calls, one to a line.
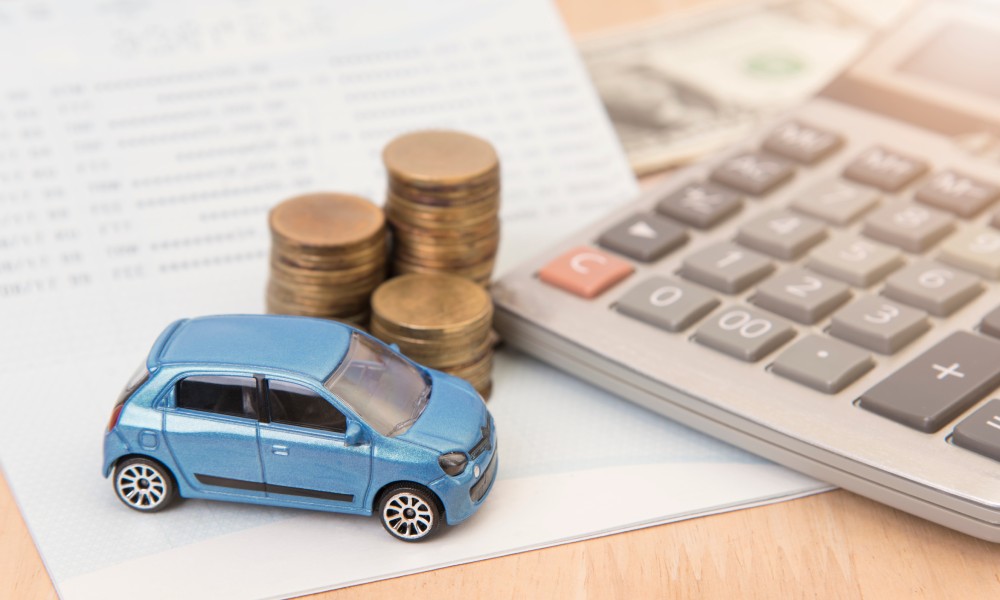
point(585, 271)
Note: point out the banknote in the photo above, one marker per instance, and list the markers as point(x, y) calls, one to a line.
point(685, 85)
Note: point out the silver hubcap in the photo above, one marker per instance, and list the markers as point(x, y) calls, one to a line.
point(408, 515)
point(142, 486)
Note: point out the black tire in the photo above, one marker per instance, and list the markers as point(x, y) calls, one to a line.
point(144, 485)
point(409, 513)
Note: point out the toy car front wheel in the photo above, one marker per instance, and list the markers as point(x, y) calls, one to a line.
point(409, 513)
point(144, 485)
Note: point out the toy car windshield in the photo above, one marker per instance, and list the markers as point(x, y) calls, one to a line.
point(384, 389)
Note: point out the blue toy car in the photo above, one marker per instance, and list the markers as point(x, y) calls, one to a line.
point(300, 412)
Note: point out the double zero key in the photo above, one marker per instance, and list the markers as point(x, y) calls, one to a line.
point(939, 384)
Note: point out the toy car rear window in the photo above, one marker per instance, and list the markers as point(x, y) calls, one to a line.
point(139, 377)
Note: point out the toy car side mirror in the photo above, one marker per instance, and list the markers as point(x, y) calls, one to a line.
point(394, 346)
point(354, 436)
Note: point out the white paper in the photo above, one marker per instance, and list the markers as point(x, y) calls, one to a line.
point(141, 145)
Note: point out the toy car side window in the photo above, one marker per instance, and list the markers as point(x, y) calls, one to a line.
point(293, 404)
point(223, 395)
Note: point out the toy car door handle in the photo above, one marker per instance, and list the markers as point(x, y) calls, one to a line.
point(279, 450)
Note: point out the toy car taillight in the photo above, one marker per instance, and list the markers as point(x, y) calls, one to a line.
point(115, 413)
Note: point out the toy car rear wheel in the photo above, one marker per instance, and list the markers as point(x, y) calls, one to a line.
point(409, 513)
point(144, 485)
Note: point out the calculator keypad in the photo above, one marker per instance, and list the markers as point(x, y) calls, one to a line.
point(644, 237)
point(938, 385)
point(836, 201)
point(961, 194)
point(885, 169)
point(701, 205)
point(753, 173)
point(744, 333)
point(726, 267)
point(822, 363)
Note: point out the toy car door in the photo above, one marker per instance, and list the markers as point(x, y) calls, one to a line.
point(305, 452)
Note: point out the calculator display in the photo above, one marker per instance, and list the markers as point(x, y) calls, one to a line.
point(939, 70)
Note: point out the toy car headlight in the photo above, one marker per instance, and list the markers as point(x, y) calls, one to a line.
point(453, 463)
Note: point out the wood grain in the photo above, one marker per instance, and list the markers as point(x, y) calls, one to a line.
point(833, 545)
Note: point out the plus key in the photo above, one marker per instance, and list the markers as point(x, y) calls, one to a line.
point(939, 384)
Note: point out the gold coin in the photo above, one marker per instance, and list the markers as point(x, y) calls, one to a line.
point(425, 306)
point(327, 220)
point(440, 158)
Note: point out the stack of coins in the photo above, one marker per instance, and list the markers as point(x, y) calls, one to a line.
point(443, 204)
point(328, 252)
point(440, 321)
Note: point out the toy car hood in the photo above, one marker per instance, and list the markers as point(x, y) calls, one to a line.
point(453, 419)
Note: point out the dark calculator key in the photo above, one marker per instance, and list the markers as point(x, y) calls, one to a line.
point(801, 142)
point(938, 385)
point(958, 193)
point(666, 303)
point(885, 169)
point(990, 325)
point(753, 173)
point(644, 237)
point(701, 205)
point(980, 431)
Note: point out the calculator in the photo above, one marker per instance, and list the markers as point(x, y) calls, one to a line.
point(825, 294)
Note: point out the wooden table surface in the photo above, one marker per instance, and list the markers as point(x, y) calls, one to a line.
point(832, 545)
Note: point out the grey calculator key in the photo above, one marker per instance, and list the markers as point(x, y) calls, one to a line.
point(801, 295)
point(990, 325)
point(801, 142)
point(753, 173)
point(931, 286)
point(855, 261)
point(878, 324)
point(908, 226)
point(980, 431)
point(938, 385)
point(701, 205)
point(667, 303)
point(744, 333)
point(822, 363)
point(961, 194)
point(836, 201)
point(644, 237)
point(885, 169)
point(726, 267)
point(976, 250)
point(781, 234)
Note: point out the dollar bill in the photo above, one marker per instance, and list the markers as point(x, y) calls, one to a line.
point(683, 86)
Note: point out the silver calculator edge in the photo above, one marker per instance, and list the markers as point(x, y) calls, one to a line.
point(825, 436)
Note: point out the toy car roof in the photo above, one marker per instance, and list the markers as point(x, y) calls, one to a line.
point(312, 347)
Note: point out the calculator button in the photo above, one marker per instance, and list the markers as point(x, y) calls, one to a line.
point(933, 287)
point(726, 267)
point(781, 234)
point(585, 272)
point(802, 143)
point(644, 237)
point(701, 205)
point(801, 295)
point(958, 193)
point(823, 364)
point(908, 226)
point(980, 431)
point(855, 261)
point(666, 303)
point(885, 169)
point(990, 325)
point(938, 385)
point(836, 201)
point(878, 324)
point(753, 173)
point(744, 333)
point(976, 250)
